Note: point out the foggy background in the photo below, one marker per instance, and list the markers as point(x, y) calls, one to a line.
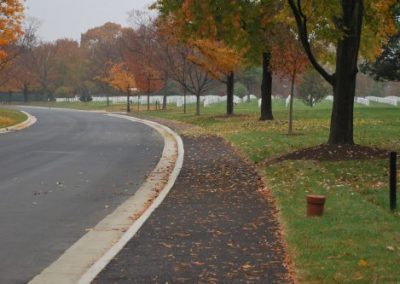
point(70, 18)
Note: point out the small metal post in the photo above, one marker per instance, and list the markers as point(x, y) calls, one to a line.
point(393, 181)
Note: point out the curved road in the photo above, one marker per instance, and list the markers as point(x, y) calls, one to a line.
point(61, 177)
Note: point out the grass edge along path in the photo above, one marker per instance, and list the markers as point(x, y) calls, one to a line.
point(10, 117)
point(358, 239)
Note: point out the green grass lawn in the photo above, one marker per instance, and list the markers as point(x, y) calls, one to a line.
point(358, 239)
point(10, 117)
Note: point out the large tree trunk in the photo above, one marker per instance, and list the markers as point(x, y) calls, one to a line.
point(197, 104)
point(266, 89)
point(230, 84)
point(341, 131)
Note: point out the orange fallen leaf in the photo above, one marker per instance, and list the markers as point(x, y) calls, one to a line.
point(362, 263)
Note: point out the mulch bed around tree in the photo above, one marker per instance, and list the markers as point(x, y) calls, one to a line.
point(327, 152)
point(213, 227)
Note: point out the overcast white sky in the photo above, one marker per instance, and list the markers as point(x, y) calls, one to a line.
point(70, 18)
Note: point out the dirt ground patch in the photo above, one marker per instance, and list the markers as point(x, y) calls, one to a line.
point(325, 152)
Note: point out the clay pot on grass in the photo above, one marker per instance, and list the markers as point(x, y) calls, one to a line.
point(315, 205)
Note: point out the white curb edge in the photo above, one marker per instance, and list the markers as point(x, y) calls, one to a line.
point(31, 120)
point(96, 268)
point(85, 259)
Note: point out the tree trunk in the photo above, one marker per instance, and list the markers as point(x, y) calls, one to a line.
point(10, 97)
point(184, 100)
point(266, 89)
point(25, 91)
point(148, 101)
point(138, 103)
point(197, 104)
point(164, 103)
point(230, 84)
point(128, 103)
point(291, 103)
point(341, 131)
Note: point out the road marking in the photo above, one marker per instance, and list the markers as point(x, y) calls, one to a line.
point(84, 260)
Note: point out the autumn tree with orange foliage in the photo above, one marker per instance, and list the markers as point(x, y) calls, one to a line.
point(288, 61)
point(140, 57)
point(72, 67)
point(175, 60)
point(140, 52)
point(44, 56)
point(122, 79)
point(11, 16)
point(102, 47)
point(22, 69)
point(220, 61)
point(196, 25)
point(247, 27)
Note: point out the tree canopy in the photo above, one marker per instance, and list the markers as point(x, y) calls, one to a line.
point(11, 16)
point(387, 65)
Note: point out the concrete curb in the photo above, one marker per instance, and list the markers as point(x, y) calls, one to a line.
point(21, 126)
point(84, 260)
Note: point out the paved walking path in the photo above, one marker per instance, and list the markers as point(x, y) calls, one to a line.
point(214, 227)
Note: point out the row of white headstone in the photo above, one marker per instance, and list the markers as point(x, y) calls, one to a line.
point(391, 100)
point(177, 100)
point(210, 100)
point(122, 99)
point(386, 100)
point(71, 100)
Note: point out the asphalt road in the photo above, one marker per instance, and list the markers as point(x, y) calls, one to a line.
point(61, 177)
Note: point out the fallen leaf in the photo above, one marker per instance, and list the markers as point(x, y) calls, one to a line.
point(247, 266)
point(390, 248)
point(362, 263)
point(166, 245)
point(358, 276)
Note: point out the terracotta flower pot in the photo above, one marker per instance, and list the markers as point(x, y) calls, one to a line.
point(315, 205)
